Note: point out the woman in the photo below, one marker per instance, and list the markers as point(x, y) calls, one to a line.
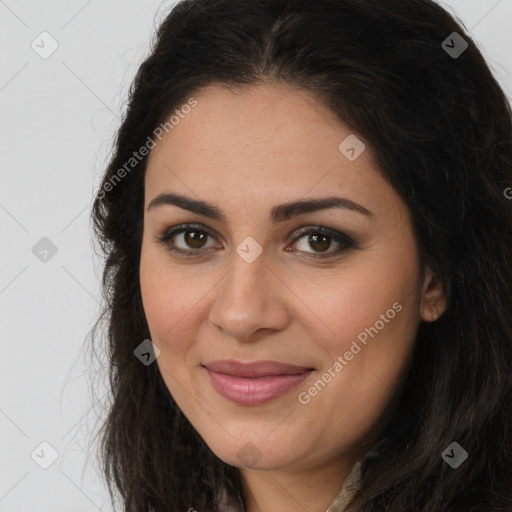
point(309, 264)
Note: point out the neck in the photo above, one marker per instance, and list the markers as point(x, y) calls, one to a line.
point(299, 489)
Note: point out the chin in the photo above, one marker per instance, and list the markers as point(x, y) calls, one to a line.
point(254, 454)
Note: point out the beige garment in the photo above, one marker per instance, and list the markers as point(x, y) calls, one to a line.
point(348, 489)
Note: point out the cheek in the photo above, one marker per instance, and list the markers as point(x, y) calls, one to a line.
point(372, 317)
point(175, 299)
point(367, 353)
point(356, 301)
point(169, 308)
point(167, 300)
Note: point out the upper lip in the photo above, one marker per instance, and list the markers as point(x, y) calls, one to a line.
point(255, 369)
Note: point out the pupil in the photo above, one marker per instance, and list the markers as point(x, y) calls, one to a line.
point(325, 241)
point(194, 238)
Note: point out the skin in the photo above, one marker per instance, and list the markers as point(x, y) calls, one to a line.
point(246, 152)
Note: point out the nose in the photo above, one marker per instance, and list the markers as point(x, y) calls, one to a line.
point(250, 301)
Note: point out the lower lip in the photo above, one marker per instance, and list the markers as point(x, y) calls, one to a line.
point(254, 391)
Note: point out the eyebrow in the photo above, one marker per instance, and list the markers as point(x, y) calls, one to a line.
point(279, 213)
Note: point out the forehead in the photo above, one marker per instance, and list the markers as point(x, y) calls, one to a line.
point(247, 119)
point(259, 142)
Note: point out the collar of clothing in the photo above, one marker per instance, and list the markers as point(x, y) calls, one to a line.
point(348, 489)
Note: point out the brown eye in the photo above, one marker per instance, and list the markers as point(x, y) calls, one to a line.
point(320, 240)
point(187, 240)
point(194, 239)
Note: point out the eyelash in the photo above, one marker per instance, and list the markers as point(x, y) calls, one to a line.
point(344, 241)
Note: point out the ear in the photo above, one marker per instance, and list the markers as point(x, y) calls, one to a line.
point(434, 297)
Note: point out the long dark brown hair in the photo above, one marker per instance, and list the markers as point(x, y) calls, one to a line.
point(440, 127)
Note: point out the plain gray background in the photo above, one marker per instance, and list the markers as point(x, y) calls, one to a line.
point(58, 118)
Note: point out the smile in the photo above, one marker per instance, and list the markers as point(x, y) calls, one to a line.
point(255, 383)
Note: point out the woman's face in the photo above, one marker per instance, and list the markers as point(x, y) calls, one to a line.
point(263, 284)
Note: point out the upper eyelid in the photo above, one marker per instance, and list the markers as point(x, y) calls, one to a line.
point(180, 228)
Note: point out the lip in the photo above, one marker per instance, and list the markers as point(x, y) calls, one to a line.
point(254, 383)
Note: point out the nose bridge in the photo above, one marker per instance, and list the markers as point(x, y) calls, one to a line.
point(242, 286)
point(247, 298)
point(249, 266)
